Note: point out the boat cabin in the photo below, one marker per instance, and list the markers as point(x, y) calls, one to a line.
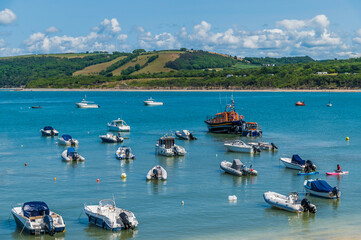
point(168, 141)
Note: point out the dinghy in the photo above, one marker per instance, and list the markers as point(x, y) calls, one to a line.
point(321, 188)
point(337, 173)
point(49, 131)
point(240, 146)
point(185, 135)
point(157, 173)
point(106, 215)
point(124, 153)
point(237, 168)
point(111, 138)
point(297, 163)
point(36, 218)
point(71, 155)
point(290, 203)
point(309, 173)
point(264, 146)
point(67, 140)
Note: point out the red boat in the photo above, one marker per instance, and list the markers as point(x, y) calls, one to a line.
point(299, 103)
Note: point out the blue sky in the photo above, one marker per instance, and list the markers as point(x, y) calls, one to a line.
point(318, 28)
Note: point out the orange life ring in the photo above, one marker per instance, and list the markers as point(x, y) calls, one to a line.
point(240, 116)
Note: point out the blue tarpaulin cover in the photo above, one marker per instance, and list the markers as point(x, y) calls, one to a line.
point(33, 209)
point(321, 186)
point(71, 151)
point(48, 128)
point(66, 137)
point(298, 160)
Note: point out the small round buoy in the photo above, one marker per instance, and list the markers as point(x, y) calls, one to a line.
point(26, 164)
point(124, 175)
point(55, 179)
point(347, 138)
point(232, 198)
point(182, 202)
point(88, 132)
point(98, 180)
point(251, 169)
point(22, 146)
point(56, 143)
point(216, 155)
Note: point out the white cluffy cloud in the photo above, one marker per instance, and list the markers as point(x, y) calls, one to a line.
point(52, 29)
point(7, 16)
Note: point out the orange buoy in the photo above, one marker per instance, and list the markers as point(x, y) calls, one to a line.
point(26, 164)
point(98, 180)
point(55, 179)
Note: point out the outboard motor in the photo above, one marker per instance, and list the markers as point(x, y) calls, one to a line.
point(335, 191)
point(156, 173)
point(49, 224)
point(308, 206)
point(311, 166)
point(274, 146)
point(175, 150)
point(72, 142)
point(127, 153)
point(75, 156)
point(125, 220)
point(191, 137)
point(52, 133)
point(256, 149)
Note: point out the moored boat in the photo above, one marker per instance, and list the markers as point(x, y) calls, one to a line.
point(111, 138)
point(71, 154)
point(289, 203)
point(86, 104)
point(166, 146)
point(36, 107)
point(118, 126)
point(124, 152)
point(240, 146)
point(300, 103)
point(157, 173)
point(36, 218)
point(185, 135)
point(237, 168)
point(321, 188)
point(67, 140)
point(307, 173)
point(151, 102)
point(108, 216)
point(264, 145)
point(49, 131)
point(297, 163)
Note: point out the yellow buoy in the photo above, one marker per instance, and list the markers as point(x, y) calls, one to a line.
point(21, 145)
point(124, 175)
point(347, 138)
point(182, 202)
point(55, 179)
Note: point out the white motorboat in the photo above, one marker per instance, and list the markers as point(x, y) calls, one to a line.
point(240, 146)
point(290, 203)
point(185, 135)
point(237, 168)
point(297, 163)
point(86, 104)
point(166, 146)
point(49, 131)
point(107, 215)
point(264, 145)
point(157, 173)
point(111, 138)
point(36, 218)
point(118, 126)
point(67, 140)
point(151, 102)
point(124, 153)
point(71, 154)
point(321, 188)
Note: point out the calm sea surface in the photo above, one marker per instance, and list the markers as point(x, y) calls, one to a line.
point(315, 132)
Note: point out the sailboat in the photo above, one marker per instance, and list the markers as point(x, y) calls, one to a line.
point(329, 104)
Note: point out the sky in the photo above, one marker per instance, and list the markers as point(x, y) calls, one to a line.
point(260, 28)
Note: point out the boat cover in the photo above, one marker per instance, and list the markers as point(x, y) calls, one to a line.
point(237, 164)
point(48, 128)
point(70, 151)
point(66, 137)
point(33, 209)
point(298, 160)
point(320, 186)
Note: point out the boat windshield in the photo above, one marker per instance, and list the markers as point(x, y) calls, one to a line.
point(107, 203)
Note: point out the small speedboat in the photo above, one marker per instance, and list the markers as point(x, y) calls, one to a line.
point(240, 146)
point(157, 173)
point(107, 215)
point(297, 163)
point(185, 135)
point(336, 173)
point(237, 168)
point(111, 138)
point(36, 218)
point(166, 146)
point(290, 203)
point(151, 102)
point(36, 107)
point(124, 153)
point(118, 126)
point(86, 104)
point(321, 188)
point(49, 131)
point(329, 104)
point(264, 146)
point(71, 154)
point(67, 140)
point(299, 103)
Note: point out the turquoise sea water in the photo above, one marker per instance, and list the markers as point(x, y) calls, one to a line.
point(314, 132)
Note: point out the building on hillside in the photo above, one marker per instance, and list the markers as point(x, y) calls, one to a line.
point(321, 73)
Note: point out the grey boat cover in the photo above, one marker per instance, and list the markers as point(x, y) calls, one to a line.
point(237, 164)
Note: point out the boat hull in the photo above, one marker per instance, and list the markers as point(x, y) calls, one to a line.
point(310, 173)
point(279, 201)
point(81, 105)
point(288, 164)
point(119, 129)
point(322, 194)
point(336, 173)
point(49, 133)
point(225, 127)
point(234, 148)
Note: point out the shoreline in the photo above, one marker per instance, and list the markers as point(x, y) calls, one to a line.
point(174, 90)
